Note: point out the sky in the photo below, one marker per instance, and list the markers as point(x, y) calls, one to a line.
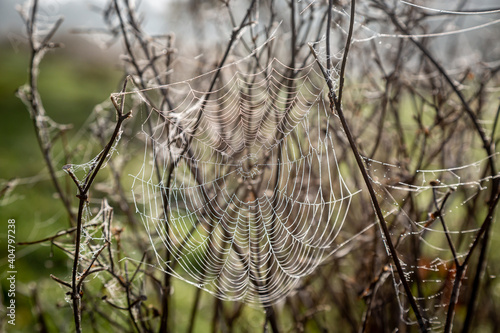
point(164, 16)
point(78, 13)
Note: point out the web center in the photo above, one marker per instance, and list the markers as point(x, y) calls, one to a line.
point(249, 166)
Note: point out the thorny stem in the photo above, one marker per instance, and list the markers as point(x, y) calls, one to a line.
point(346, 52)
point(166, 278)
point(75, 293)
point(337, 103)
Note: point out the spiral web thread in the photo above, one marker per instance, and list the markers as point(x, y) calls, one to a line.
point(255, 195)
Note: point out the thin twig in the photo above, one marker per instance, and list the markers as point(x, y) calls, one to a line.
point(89, 270)
point(439, 212)
point(59, 234)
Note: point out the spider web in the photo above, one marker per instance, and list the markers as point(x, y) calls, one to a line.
point(241, 193)
point(435, 266)
point(255, 198)
point(250, 179)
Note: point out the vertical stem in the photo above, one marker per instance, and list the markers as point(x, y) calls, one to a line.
point(83, 196)
point(337, 103)
point(75, 294)
point(328, 51)
point(475, 284)
point(294, 34)
point(271, 318)
point(380, 216)
point(194, 310)
point(454, 298)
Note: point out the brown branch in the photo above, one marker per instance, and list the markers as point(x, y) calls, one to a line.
point(336, 102)
point(82, 196)
point(439, 212)
point(488, 147)
point(33, 101)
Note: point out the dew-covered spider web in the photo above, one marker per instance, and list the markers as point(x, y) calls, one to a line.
point(248, 186)
point(446, 194)
point(241, 192)
point(250, 179)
